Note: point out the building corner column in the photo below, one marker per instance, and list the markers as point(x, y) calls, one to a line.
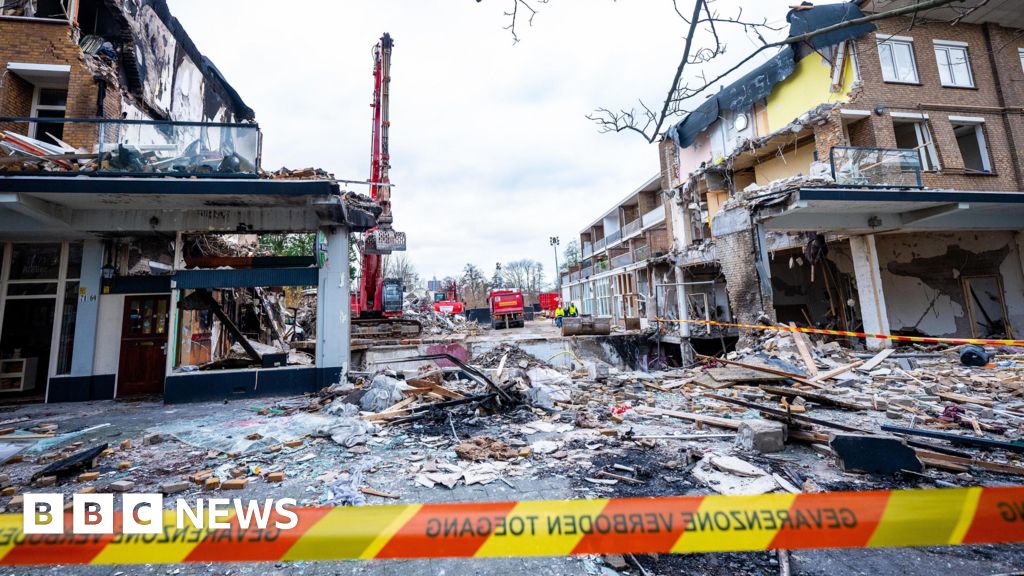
point(867, 272)
point(334, 309)
point(87, 313)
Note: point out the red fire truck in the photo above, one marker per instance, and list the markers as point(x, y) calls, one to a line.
point(507, 309)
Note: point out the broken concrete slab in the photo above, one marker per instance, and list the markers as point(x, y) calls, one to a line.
point(874, 454)
point(764, 436)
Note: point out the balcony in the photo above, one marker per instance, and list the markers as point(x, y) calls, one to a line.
point(653, 217)
point(613, 238)
point(599, 245)
point(622, 260)
point(130, 148)
point(566, 278)
point(642, 253)
point(631, 228)
point(588, 250)
point(876, 167)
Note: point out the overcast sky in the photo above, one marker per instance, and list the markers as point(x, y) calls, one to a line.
point(491, 150)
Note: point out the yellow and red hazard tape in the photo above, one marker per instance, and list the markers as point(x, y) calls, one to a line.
point(925, 339)
point(559, 528)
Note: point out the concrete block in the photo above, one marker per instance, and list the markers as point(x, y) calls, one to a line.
point(235, 484)
point(174, 487)
point(88, 476)
point(211, 483)
point(122, 486)
point(763, 436)
point(150, 439)
point(275, 477)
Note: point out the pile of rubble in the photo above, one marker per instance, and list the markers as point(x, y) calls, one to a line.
point(788, 414)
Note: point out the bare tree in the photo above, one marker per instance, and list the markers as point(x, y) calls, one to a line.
point(473, 287)
point(571, 254)
point(524, 275)
point(399, 266)
point(649, 122)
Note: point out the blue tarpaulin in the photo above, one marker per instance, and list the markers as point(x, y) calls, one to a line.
point(811, 19)
point(758, 84)
point(739, 95)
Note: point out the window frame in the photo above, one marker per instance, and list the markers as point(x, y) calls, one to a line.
point(36, 107)
point(926, 149)
point(979, 133)
point(1020, 53)
point(891, 42)
point(946, 46)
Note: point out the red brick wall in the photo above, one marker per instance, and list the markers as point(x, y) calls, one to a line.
point(34, 42)
point(939, 102)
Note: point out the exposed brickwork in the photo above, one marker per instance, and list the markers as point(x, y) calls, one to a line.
point(736, 252)
point(938, 102)
point(34, 42)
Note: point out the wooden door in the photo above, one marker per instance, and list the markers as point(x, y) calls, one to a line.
point(143, 345)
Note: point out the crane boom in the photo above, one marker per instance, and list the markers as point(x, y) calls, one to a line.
point(377, 306)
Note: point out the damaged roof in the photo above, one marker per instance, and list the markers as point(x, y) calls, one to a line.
point(759, 83)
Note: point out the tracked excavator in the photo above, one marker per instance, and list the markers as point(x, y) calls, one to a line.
point(377, 305)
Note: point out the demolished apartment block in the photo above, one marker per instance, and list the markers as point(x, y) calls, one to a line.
point(865, 180)
point(121, 147)
point(624, 267)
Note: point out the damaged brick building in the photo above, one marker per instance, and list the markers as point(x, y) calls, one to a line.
point(867, 179)
point(119, 141)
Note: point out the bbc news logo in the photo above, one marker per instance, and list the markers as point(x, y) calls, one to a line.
point(144, 514)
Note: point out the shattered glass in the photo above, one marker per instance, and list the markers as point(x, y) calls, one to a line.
point(877, 167)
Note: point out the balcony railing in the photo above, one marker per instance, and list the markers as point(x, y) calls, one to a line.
point(575, 276)
point(642, 253)
point(622, 260)
point(613, 238)
point(631, 228)
point(876, 167)
point(599, 245)
point(130, 148)
point(587, 272)
point(588, 250)
point(654, 216)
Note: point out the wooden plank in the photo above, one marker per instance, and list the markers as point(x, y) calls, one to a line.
point(734, 374)
point(814, 397)
point(393, 411)
point(709, 420)
point(767, 370)
point(837, 371)
point(992, 466)
point(876, 360)
point(803, 346)
point(961, 399)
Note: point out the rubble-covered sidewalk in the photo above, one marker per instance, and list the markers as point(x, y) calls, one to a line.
point(788, 414)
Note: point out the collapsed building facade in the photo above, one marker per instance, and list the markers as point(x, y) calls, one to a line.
point(865, 180)
point(120, 144)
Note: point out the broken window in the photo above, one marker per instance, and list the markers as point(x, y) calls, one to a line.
point(897, 57)
point(970, 137)
point(915, 135)
point(53, 9)
point(954, 66)
point(986, 306)
point(49, 103)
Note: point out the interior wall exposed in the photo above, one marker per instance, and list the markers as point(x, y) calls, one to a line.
point(923, 276)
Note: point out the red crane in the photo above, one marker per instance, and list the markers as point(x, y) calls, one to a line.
point(377, 306)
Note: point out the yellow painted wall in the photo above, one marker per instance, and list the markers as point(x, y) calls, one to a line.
point(807, 87)
point(792, 163)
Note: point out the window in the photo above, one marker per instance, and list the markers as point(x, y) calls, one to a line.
point(914, 135)
point(970, 138)
point(954, 66)
point(897, 56)
point(1020, 52)
point(49, 103)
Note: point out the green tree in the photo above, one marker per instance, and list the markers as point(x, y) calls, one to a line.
point(571, 255)
point(288, 244)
